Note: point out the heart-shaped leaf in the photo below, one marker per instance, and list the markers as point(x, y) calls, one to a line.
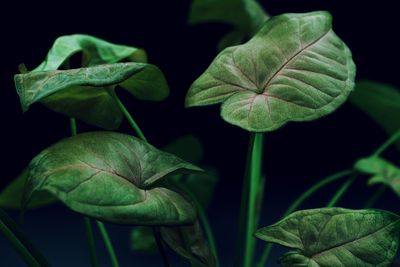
point(11, 196)
point(379, 101)
point(336, 237)
point(95, 51)
point(294, 69)
point(189, 242)
point(142, 240)
point(81, 93)
point(382, 171)
point(111, 176)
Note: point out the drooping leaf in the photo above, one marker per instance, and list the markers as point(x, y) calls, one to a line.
point(189, 242)
point(294, 69)
point(81, 93)
point(379, 101)
point(94, 51)
point(110, 177)
point(382, 171)
point(336, 237)
point(246, 16)
point(11, 196)
point(187, 147)
point(142, 240)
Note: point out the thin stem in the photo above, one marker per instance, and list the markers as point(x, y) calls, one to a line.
point(108, 244)
point(339, 193)
point(72, 124)
point(14, 235)
point(91, 242)
point(126, 113)
point(375, 197)
point(243, 206)
point(392, 139)
point(157, 237)
point(255, 179)
point(300, 200)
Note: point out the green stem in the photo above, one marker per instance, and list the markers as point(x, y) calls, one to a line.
point(375, 197)
point(91, 242)
point(243, 206)
point(157, 237)
point(126, 113)
point(108, 244)
point(392, 139)
point(72, 124)
point(255, 179)
point(300, 200)
point(339, 193)
point(12, 233)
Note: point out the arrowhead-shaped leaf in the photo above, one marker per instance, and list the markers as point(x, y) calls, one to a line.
point(11, 196)
point(94, 51)
point(189, 242)
point(111, 177)
point(294, 69)
point(379, 101)
point(336, 237)
point(382, 171)
point(81, 93)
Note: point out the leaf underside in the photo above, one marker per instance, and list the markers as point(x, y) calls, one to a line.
point(336, 237)
point(110, 176)
point(81, 93)
point(382, 171)
point(294, 69)
point(94, 51)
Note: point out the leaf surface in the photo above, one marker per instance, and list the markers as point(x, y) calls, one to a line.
point(294, 69)
point(94, 51)
point(336, 237)
point(142, 240)
point(110, 177)
point(81, 93)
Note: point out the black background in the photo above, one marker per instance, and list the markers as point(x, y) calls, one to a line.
point(296, 155)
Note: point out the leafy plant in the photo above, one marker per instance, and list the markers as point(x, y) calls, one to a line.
point(293, 68)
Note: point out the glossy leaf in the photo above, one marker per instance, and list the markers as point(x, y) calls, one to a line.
point(379, 101)
point(11, 196)
point(294, 69)
point(382, 171)
point(111, 177)
point(189, 242)
point(81, 93)
point(336, 237)
point(142, 240)
point(94, 51)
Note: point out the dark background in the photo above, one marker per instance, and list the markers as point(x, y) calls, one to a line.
point(296, 155)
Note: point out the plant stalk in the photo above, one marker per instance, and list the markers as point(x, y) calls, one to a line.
point(375, 197)
point(91, 242)
point(108, 244)
point(14, 235)
point(343, 189)
point(391, 140)
point(157, 237)
point(255, 180)
point(126, 113)
point(300, 200)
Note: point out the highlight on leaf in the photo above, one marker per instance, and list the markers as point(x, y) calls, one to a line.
point(381, 171)
point(294, 69)
point(95, 51)
point(111, 177)
point(82, 93)
point(336, 237)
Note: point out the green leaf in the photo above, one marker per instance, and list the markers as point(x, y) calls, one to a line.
point(336, 237)
point(11, 196)
point(95, 51)
point(142, 240)
point(189, 242)
point(379, 101)
point(81, 93)
point(294, 69)
point(187, 147)
point(246, 16)
point(382, 171)
point(111, 177)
